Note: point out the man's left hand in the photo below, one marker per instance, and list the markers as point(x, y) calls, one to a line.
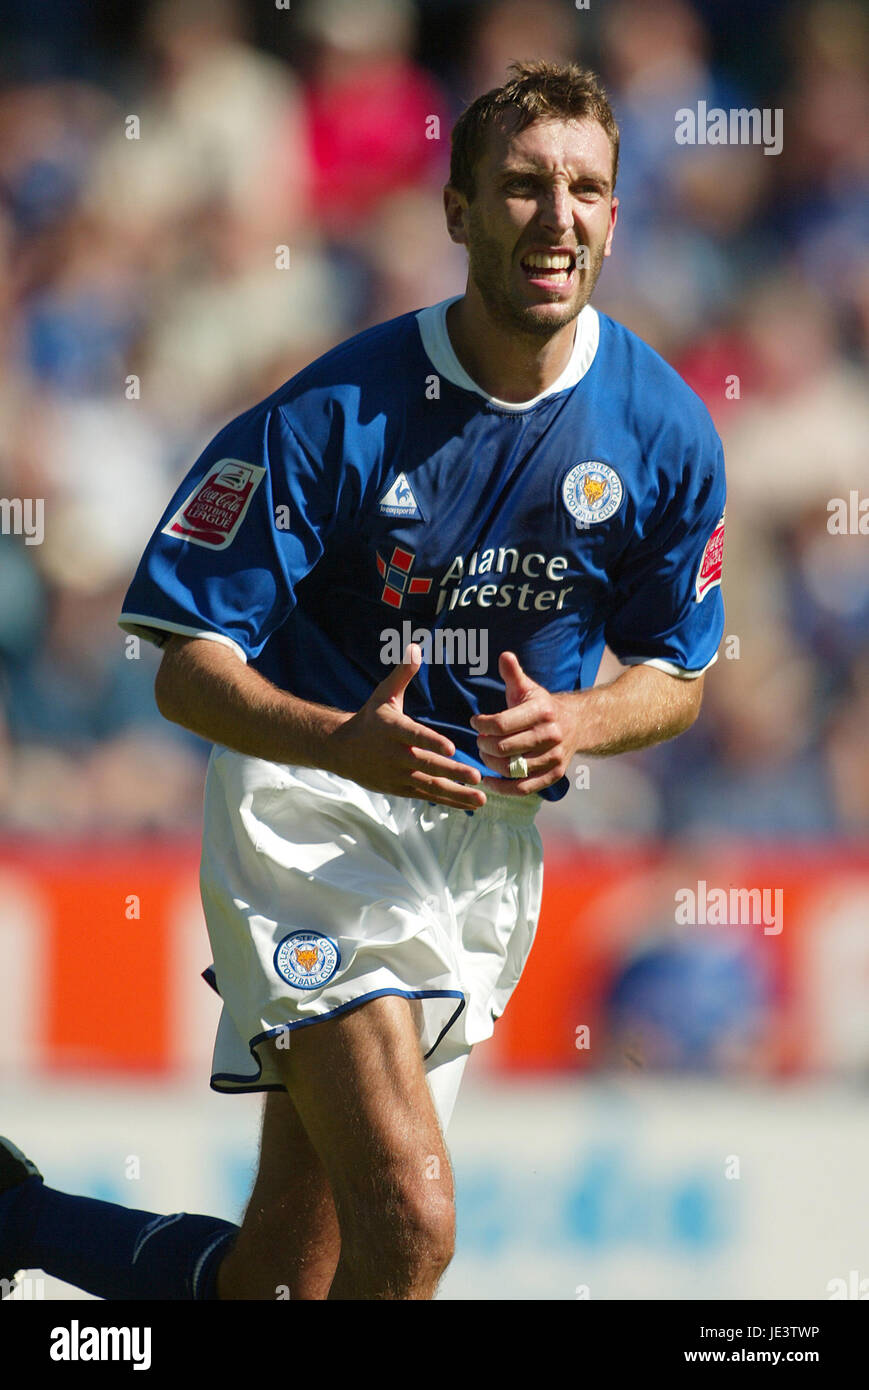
point(540, 727)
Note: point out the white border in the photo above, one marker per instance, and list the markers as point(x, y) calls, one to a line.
point(661, 665)
point(432, 323)
point(140, 625)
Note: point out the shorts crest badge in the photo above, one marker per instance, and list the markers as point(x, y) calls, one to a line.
point(592, 492)
point(306, 959)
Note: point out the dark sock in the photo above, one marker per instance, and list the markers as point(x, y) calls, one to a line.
point(110, 1250)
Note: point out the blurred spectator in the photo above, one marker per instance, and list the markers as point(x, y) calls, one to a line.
point(218, 122)
point(700, 1004)
point(826, 215)
point(89, 749)
point(408, 259)
point(847, 749)
point(767, 777)
point(221, 326)
point(377, 122)
point(47, 135)
point(79, 328)
point(800, 434)
point(505, 31)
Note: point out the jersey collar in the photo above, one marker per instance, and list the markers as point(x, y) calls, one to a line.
point(432, 323)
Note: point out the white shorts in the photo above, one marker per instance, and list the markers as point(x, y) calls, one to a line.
point(320, 895)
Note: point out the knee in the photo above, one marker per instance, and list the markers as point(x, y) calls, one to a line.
point(427, 1221)
point(408, 1230)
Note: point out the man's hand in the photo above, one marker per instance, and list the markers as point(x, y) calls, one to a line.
point(537, 726)
point(384, 750)
point(640, 707)
point(203, 686)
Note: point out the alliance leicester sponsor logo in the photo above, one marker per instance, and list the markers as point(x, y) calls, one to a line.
point(527, 571)
point(493, 567)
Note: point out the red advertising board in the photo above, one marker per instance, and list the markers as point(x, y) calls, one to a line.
point(101, 944)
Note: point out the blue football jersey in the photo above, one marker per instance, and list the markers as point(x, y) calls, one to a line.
point(381, 497)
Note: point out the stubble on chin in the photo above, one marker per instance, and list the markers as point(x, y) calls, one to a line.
point(490, 274)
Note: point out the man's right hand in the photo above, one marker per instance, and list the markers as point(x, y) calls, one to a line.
point(203, 686)
point(385, 750)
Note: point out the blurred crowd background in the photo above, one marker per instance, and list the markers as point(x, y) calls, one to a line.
point(141, 308)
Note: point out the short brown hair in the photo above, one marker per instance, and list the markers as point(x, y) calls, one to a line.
point(538, 91)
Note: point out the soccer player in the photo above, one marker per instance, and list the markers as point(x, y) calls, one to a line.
point(383, 595)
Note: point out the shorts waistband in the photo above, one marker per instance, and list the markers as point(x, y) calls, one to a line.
point(519, 810)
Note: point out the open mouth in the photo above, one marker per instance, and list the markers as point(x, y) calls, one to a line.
point(549, 268)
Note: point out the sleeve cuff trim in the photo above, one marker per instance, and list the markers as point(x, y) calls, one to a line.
point(156, 630)
point(661, 665)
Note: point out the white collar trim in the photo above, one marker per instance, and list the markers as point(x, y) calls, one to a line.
point(432, 323)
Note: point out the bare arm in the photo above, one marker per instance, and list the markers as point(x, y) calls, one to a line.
point(206, 688)
point(641, 707)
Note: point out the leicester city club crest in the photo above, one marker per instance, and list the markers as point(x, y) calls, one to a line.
point(592, 492)
point(306, 960)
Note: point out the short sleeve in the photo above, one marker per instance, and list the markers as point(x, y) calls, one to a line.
point(667, 609)
point(246, 525)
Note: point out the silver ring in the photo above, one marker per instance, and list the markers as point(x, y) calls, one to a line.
point(518, 767)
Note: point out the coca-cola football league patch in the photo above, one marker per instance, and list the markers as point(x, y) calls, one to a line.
point(216, 507)
point(709, 573)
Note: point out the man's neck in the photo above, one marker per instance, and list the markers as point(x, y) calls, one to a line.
point(510, 366)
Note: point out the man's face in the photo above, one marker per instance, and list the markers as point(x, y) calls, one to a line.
point(546, 187)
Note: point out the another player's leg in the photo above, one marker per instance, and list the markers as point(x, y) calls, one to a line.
point(289, 1242)
point(103, 1248)
point(289, 1238)
point(358, 1084)
point(16, 1170)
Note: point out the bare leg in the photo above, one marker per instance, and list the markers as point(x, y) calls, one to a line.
point(289, 1238)
point(358, 1085)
